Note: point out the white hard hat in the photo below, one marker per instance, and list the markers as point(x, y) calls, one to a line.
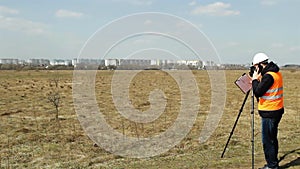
point(259, 57)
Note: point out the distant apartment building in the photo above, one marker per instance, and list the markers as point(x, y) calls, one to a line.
point(38, 62)
point(74, 62)
point(209, 63)
point(61, 62)
point(87, 62)
point(111, 62)
point(68, 62)
point(196, 63)
point(154, 62)
point(57, 62)
point(120, 63)
point(9, 61)
point(170, 62)
point(139, 62)
point(22, 62)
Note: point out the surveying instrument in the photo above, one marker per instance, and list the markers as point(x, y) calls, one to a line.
point(245, 84)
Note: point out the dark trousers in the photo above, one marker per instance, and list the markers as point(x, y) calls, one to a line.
point(269, 140)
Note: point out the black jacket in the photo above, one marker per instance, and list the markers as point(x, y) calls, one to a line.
point(260, 88)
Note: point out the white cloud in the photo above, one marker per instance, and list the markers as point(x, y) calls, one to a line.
point(277, 45)
point(294, 48)
point(232, 44)
point(137, 2)
point(141, 2)
point(215, 9)
point(193, 3)
point(22, 25)
point(268, 2)
point(19, 24)
point(148, 22)
point(6, 10)
point(62, 13)
point(199, 26)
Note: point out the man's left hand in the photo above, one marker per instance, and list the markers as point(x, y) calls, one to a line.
point(256, 76)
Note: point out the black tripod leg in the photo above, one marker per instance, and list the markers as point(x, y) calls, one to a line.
point(252, 127)
point(236, 121)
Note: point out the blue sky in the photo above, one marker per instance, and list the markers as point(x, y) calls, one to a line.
point(237, 29)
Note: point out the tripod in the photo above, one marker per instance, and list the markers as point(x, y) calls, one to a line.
point(252, 125)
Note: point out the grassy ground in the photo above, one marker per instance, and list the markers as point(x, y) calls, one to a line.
point(30, 137)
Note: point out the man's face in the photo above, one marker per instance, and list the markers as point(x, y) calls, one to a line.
point(259, 67)
point(256, 67)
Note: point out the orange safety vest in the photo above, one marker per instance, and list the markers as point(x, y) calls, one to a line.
point(273, 98)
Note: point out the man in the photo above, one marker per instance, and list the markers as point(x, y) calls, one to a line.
point(267, 86)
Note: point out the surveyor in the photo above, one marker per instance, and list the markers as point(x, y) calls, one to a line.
point(267, 86)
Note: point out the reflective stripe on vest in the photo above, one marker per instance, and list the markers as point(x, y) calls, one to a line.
point(274, 90)
point(270, 91)
point(273, 98)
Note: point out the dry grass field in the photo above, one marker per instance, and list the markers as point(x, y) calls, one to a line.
point(31, 137)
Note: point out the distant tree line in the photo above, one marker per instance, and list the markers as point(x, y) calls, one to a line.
point(291, 66)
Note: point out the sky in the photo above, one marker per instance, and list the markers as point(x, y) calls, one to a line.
point(236, 29)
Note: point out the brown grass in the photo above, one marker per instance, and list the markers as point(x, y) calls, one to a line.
point(31, 138)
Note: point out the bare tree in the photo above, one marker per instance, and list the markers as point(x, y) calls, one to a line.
point(54, 95)
point(55, 80)
point(54, 98)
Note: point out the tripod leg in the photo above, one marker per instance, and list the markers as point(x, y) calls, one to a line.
point(252, 127)
point(235, 123)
